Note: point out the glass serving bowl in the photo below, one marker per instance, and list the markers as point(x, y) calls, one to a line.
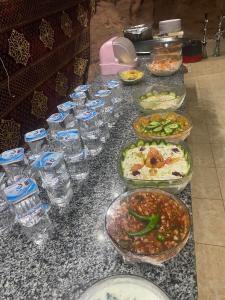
point(160, 98)
point(133, 249)
point(148, 127)
point(171, 185)
point(134, 287)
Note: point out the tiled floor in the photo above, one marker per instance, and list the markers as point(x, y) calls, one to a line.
point(206, 107)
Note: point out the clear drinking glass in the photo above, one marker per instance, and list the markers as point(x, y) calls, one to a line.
point(90, 132)
point(28, 207)
point(55, 177)
point(74, 153)
point(106, 95)
point(15, 164)
point(99, 107)
point(37, 141)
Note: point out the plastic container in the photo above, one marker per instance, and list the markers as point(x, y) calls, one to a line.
point(7, 215)
point(137, 249)
point(74, 153)
point(58, 121)
point(124, 287)
point(147, 127)
point(160, 98)
point(55, 177)
point(29, 209)
point(79, 98)
point(37, 141)
point(15, 164)
point(85, 88)
point(106, 95)
point(164, 163)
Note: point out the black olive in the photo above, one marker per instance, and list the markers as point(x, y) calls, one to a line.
point(153, 161)
point(177, 174)
point(135, 173)
point(175, 150)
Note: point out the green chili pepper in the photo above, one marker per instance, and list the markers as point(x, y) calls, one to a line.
point(153, 221)
point(160, 237)
point(137, 216)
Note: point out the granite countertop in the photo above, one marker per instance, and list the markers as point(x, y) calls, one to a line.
point(81, 253)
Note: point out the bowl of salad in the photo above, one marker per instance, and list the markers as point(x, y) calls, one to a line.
point(168, 126)
point(148, 225)
point(160, 98)
point(156, 164)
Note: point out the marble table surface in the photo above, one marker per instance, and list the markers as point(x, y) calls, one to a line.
point(80, 253)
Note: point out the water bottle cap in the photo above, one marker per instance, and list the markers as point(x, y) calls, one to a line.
point(78, 95)
point(67, 135)
point(87, 115)
point(47, 160)
point(83, 88)
point(66, 106)
point(93, 104)
point(20, 190)
point(11, 156)
point(35, 135)
point(57, 117)
point(112, 84)
point(103, 93)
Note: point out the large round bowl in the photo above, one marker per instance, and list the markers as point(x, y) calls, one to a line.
point(124, 287)
point(171, 127)
point(154, 168)
point(160, 98)
point(165, 65)
point(167, 236)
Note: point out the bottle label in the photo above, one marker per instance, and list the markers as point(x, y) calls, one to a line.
point(111, 84)
point(87, 115)
point(35, 135)
point(66, 105)
point(68, 135)
point(20, 190)
point(103, 93)
point(12, 156)
point(93, 104)
point(83, 88)
point(47, 160)
point(58, 117)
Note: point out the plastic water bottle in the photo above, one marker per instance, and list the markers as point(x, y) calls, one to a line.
point(85, 88)
point(99, 107)
point(114, 86)
point(70, 108)
point(109, 117)
point(7, 215)
point(15, 164)
point(74, 153)
point(37, 141)
point(55, 177)
point(58, 121)
point(28, 207)
point(90, 133)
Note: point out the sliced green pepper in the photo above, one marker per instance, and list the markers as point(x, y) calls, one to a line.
point(137, 216)
point(153, 222)
point(160, 237)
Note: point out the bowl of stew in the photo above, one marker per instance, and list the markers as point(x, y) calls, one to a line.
point(148, 225)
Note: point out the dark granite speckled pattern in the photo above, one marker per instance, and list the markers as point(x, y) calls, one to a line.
point(81, 253)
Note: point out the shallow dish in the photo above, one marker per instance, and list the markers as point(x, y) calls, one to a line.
point(160, 98)
point(170, 126)
point(122, 287)
point(148, 225)
point(156, 164)
point(131, 76)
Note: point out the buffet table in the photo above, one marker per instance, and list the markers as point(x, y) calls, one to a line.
point(81, 252)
